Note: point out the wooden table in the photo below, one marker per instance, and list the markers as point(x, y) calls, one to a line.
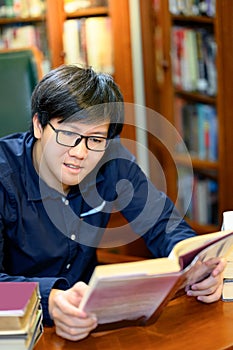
point(184, 324)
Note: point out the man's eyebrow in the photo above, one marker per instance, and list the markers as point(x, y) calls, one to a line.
point(91, 133)
point(101, 133)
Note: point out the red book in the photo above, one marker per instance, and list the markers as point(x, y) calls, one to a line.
point(19, 302)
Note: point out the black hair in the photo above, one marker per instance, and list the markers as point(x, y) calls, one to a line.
point(70, 91)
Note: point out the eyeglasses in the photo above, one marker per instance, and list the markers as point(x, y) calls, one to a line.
point(72, 139)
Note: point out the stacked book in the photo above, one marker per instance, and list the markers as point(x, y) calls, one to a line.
point(20, 315)
point(227, 293)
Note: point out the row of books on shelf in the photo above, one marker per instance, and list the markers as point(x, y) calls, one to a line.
point(193, 7)
point(193, 53)
point(91, 43)
point(23, 35)
point(198, 129)
point(198, 197)
point(20, 315)
point(21, 8)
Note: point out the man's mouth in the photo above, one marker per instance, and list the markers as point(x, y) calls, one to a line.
point(72, 166)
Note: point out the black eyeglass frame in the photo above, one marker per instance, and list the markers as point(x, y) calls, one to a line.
point(79, 139)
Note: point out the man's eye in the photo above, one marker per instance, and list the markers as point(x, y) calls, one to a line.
point(96, 140)
point(68, 133)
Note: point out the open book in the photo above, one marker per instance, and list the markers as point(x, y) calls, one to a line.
point(135, 293)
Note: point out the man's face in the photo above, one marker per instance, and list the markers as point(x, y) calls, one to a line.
point(63, 166)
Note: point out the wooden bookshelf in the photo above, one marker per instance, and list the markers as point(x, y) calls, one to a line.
point(53, 20)
point(161, 92)
point(118, 10)
point(13, 21)
point(89, 12)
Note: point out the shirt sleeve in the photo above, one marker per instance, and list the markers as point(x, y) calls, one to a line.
point(45, 283)
point(45, 286)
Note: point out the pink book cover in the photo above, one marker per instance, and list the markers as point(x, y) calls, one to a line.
point(15, 296)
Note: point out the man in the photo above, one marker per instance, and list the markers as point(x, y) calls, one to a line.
point(58, 185)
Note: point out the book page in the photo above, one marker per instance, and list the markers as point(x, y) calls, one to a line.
point(143, 267)
point(198, 269)
point(133, 299)
point(195, 242)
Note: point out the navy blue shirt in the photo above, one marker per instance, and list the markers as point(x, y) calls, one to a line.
point(51, 238)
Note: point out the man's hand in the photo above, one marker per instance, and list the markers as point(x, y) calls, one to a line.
point(210, 289)
point(70, 322)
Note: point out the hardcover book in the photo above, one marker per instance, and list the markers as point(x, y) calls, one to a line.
point(24, 341)
point(135, 293)
point(227, 292)
point(19, 302)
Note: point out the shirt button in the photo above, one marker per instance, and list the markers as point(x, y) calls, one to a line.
point(68, 266)
point(73, 237)
point(65, 201)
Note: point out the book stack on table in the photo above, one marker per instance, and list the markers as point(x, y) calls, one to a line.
point(20, 315)
point(227, 293)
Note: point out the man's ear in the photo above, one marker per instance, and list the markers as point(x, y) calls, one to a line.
point(37, 128)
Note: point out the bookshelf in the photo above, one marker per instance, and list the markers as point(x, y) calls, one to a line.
point(118, 11)
point(24, 25)
point(163, 91)
point(51, 21)
point(49, 25)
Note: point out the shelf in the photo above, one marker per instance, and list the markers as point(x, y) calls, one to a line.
point(197, 163)
point(12, 20)
point(193, 19)
point(89, 12)
point(195, 96)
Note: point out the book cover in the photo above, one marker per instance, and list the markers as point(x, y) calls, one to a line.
point(190, 127)
point(210, 51)
point(192, 59)
point(135, 293)
point(71, 47)
point(227, 292)
point(202, 74)
point(173, 7)
point(207, 132)
point(176, 53)
point(18, 302)
point(99, 44)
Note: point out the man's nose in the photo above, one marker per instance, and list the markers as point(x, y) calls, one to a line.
point(80, 150)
